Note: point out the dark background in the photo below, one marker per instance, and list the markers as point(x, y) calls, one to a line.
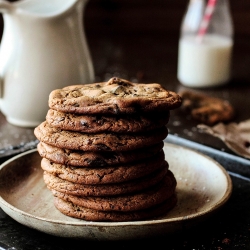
point(161, 19)
point(126, 19)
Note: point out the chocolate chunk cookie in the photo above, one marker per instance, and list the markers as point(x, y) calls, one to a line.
point(55, 183)
point(80, 212)
point(97, 142)
point(130, 202)
point(117, 96)
point(81, 158)
point(105, 175)
point(206, 109)
point(101, 123)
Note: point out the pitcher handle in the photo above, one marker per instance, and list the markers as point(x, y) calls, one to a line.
point(5, 6)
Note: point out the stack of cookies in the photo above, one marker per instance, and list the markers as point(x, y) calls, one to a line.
point(102, 150)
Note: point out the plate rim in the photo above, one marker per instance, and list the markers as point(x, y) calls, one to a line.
point(79, 222)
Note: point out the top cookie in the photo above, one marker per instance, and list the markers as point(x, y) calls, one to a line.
point(117, 96)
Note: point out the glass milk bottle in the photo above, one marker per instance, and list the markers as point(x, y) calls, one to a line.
point(205, 45)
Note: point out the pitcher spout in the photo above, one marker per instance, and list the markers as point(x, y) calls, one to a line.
point(5, 6)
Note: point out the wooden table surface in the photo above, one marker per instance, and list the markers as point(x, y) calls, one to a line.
point(138, 41)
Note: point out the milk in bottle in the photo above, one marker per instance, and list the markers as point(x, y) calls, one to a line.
point(205, 62)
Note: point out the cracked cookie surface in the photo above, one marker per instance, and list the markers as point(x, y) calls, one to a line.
point(116, 96)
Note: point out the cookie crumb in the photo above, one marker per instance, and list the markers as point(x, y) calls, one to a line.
point(226, 241)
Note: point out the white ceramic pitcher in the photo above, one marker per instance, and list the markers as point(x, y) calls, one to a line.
point(43, 48)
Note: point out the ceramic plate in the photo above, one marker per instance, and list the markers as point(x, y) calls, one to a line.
point(203, 187)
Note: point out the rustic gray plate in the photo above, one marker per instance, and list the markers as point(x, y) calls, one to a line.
point(203, 187)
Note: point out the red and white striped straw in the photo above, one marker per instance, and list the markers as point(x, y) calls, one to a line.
point(206, 19)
